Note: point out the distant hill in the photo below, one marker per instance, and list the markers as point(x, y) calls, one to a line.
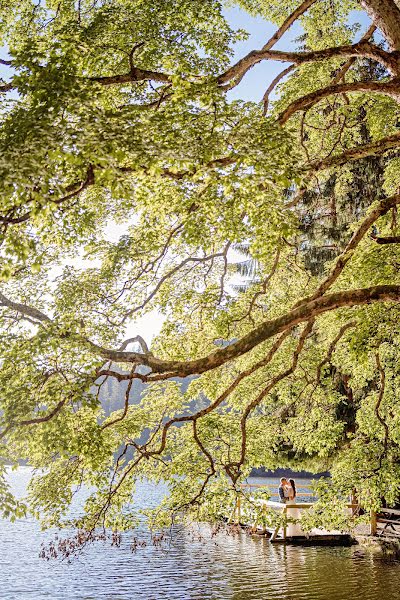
point(261, 472)
point(112, 393)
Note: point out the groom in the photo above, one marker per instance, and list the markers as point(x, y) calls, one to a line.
point(283, 490)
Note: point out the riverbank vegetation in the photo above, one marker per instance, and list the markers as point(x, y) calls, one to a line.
point(122, 112)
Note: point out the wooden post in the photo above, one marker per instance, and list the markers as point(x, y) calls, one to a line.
point(275, 534)
point(354, 500)
point(284, 526)
point(373, 523)
point(233, 515)
point(238, 504)
point(264, 513)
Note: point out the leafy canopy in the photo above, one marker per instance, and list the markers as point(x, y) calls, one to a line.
point(119, 112)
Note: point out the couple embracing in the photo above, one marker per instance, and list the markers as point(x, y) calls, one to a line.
point(287, 490)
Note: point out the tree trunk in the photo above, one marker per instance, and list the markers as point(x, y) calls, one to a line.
point(386, 16)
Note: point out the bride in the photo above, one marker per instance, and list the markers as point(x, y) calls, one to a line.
point(293, 513)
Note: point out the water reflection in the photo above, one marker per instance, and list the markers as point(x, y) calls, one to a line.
point(195, 566)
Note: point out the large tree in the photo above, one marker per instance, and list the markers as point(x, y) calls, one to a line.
point(119, 111)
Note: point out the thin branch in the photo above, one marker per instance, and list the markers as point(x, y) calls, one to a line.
point(169, 274)
point(349, 63)
point(45, 418)
point(288, 22)
point(34, 421)
point(222, 397)
point(332, 347)
point(122, 416)
point(378, 404)
point(381, 209)
point(71, 191)
point(273, 84)
point(233, 468)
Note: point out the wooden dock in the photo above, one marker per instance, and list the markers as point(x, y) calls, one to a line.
point(285, 514)
point(386, 523)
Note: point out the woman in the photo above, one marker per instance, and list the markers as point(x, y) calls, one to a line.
point(292, 491)
point(293, 513)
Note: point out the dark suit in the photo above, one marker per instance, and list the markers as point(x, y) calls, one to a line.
point(281, 492)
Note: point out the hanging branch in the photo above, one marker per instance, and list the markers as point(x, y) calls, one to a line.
point(378, 405)
point(233, 468)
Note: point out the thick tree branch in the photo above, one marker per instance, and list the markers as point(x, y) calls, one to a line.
point(265, 331)
point(6, 87)
point(388, 88)
point(386, 16)
point(308, 309)
point(386, 240)
point(373, 149)
point(362, 48)
point(24, 309)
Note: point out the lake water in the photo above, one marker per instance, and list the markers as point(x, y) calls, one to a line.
point(189, 567)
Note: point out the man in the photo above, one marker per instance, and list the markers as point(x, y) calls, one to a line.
point(283, 490)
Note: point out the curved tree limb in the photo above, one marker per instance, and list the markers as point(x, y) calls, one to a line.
point(373, 149)
point(233, 468)
point(362, 48)
point(378, 405)
point(386, 16)
point(288, 22)
point(308, 309)
point(272, 86)
point(71, 191)
point(349, 63)
point(263, 332)
point(388, 88)
point(331, 349)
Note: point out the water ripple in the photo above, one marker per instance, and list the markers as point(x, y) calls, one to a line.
point(191, 568)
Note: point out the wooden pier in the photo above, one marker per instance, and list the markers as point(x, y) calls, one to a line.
point(386, 523)
point(285, 531)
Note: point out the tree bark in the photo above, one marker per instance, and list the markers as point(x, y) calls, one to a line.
point(386, 16)
point(373, 149)
point(387, 88)
point(263, 332)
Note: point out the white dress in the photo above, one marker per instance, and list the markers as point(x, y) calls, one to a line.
point(293, 529)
